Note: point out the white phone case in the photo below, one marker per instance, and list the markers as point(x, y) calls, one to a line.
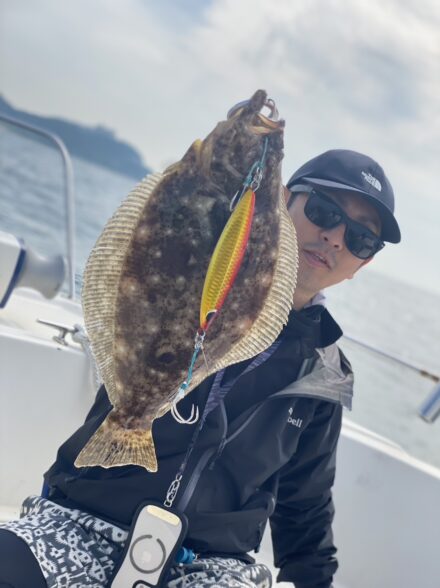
point(155, 537)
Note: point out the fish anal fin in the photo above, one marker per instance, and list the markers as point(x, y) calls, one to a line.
point(112, 446)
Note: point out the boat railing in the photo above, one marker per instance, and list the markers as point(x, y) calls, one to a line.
point(430, 408)
point(69, 199)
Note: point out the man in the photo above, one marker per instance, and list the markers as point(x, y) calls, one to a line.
point(266, 453)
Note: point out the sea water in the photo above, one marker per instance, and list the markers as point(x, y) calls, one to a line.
point(393, 316)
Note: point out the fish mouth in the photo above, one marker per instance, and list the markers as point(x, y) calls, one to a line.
point(270, 122)
point(258, 101)
point(268, 125)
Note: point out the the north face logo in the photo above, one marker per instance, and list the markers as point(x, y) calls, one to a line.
point(372, 180)
point(292, 421)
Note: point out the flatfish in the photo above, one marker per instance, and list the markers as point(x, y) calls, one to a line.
point(144, 280)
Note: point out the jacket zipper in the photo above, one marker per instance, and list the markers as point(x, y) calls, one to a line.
point(201, 464)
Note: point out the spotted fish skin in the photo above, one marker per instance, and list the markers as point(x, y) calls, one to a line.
point(142, 327)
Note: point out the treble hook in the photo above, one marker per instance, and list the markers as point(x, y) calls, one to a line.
point(194, 416)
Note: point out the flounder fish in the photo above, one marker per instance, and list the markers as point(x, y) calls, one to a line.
point(144, 280)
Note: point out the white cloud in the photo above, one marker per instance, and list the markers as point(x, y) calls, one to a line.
point(361, 75)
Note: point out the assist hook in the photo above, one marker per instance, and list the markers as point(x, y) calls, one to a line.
point(268, 103)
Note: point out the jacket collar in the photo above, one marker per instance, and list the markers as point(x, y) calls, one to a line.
point(315, 324)
point(327, 377)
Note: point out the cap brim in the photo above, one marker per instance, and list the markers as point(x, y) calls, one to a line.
point(390, 229)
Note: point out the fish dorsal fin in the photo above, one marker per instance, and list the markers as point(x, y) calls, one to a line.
point(102, 278)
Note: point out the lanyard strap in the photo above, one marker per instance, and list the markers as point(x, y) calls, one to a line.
point(218, 390)
point(216, 394)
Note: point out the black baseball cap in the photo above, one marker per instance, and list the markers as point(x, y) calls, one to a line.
point(342, 169)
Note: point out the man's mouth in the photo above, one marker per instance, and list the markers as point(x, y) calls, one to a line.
point(316, 259)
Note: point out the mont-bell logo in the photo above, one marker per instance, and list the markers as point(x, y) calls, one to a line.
point(372, 180)
point(292, 421)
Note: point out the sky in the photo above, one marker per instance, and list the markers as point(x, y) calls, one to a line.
point(361, 75)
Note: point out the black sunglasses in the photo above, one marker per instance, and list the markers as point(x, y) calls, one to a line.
point(327, 214)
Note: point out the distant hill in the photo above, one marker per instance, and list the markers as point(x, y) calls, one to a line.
point(98, 145)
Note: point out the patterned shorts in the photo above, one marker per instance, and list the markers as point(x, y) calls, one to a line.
point(219, 572)
point(74, 549)
point(77, 550)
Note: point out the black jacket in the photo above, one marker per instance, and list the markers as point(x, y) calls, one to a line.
point(268, 450)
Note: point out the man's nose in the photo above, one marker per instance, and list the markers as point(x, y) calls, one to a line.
point(334, 236)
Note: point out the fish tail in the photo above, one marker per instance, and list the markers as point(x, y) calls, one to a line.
point(112, 446)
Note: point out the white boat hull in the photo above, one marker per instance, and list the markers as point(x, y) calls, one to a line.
point(46, 390)
point(387, 521)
